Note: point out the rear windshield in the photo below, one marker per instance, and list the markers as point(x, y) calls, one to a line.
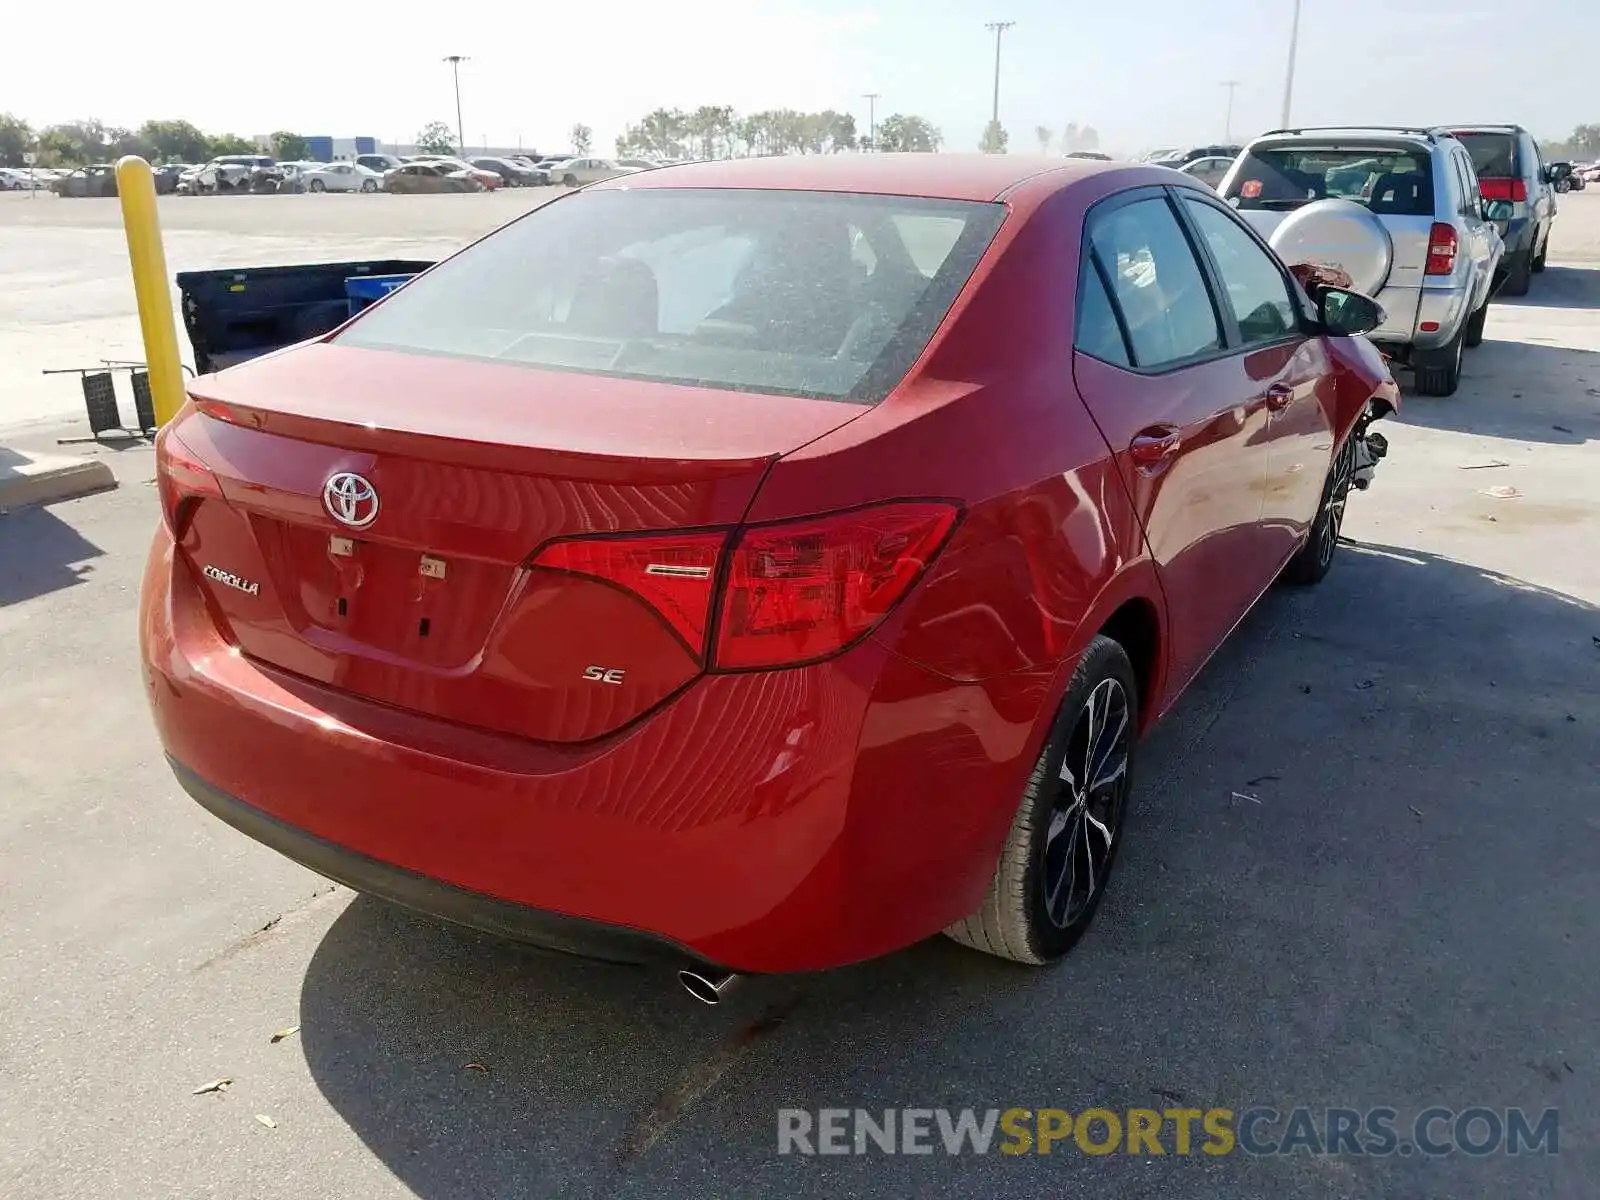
point(1394, 181)
point(1493, 154)
point(801, 293)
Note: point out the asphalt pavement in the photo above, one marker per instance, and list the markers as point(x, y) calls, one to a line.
point(1362, 870)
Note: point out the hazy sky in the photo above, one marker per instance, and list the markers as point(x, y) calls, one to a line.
point(1143, 72)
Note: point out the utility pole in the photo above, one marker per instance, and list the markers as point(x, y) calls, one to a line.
point(999, 28)
point(1227, 125)
point(455, 61)
point(1288, 79)
point(872, 118)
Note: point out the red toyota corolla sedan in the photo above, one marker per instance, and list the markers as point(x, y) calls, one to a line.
point(757, 565)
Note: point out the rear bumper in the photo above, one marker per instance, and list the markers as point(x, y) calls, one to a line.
point(407, 888)
point(1408, 309)
point(762, 822)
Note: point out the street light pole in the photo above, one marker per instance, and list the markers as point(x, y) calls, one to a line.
point(1288, 79)
point(999, 28)
point(455, 61)
point(872, 118)
point(1227, 125)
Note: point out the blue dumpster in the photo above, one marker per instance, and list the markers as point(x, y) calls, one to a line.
point(364, 289)
point(236, 314)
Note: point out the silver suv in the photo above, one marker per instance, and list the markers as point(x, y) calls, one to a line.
point(1399, 211)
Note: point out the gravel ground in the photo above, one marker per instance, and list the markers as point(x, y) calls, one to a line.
point(1360, 870)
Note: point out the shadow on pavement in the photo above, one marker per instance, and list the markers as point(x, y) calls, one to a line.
point(1518, 390)
point(1359, 872)
point(39, 553)
point(1559, 287)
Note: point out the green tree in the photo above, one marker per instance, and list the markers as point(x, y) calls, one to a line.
point(1045, 135)
point(174, 141)
point(16, 139)
point(289, 147)
point(582, 138)
point(995, 138)
point(436, 138)
point(899, 133)
point(663, 133)
point(228, 143)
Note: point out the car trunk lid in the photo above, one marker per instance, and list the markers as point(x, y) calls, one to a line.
point(411, 581)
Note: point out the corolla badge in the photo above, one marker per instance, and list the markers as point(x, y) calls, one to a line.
point(350, 500)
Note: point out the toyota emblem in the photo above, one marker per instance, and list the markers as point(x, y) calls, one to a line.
point(350, 500)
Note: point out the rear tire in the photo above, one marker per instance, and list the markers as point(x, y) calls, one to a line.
point(1439, 371)
point(1538, 259)
point(570, 180)
point(1518, 275)
point(1064, 838)
point(318, 186)
point(1474, 330)
point(1315, 558)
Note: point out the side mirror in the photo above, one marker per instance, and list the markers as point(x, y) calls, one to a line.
point(1344, 313)
point(1497, 210)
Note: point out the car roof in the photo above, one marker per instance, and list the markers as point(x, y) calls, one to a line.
point(939, 176)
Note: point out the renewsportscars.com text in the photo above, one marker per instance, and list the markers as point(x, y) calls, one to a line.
point(1259, 1131)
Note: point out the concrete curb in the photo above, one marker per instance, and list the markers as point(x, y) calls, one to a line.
point(27, 478)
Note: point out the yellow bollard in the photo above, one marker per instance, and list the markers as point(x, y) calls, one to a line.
point(136, 187)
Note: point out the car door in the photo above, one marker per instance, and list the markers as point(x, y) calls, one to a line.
point(1541, 194)
point(1174, 400)
point(1482, 238)
point(1287, 367)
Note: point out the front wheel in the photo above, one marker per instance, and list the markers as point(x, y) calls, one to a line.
point(570, 180)
point(369, 185)
point(1064, 838)
point(318, 186)
point(1314, 559)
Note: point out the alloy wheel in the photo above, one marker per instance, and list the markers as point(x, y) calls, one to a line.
point(1086, 818)
point(1333, 502)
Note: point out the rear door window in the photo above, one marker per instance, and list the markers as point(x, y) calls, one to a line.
point(1156, 282)
point(1389, 180)
point(1099, 334)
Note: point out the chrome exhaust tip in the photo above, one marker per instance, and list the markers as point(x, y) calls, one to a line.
point(708, 990)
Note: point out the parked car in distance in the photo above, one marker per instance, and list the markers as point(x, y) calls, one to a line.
point(1094, 155)
point(97, 180)
point(1399, 211)
point(638, 164)
point(1177, 158)
point(21, 179)
point(377, 163)
point(1210, 171)
point(1510, 169)
point(576, 172)
point(701, 634)
point(512, 173)
point(489, 179)
point(419, 177)
point(339, 177)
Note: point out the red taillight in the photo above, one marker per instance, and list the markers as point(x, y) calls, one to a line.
point(182, 479)
point(1515, 190)
point(1441, 250)
point(674, 573)
point(792, 592)
point(803, 590)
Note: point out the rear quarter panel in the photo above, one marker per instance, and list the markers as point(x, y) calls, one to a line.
point(1049, 543)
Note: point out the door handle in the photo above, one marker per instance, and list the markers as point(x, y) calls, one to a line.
point(1154, 446)
point(1278, 397)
